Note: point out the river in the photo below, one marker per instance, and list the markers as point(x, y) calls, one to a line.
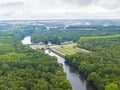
point(26, 40)
point(77, 81)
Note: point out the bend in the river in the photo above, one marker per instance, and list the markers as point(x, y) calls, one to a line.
point(77, 81)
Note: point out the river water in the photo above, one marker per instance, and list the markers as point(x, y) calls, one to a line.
point(26, 40)
point(77, 81)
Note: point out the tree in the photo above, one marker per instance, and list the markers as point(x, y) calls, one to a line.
point(5, 67)
point(93, 76)
point(112, 86)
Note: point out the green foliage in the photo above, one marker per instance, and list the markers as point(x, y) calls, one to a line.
point(98, 37)
point(111, 86)
point(93, 76)
point(22, 68)
point(57, 36)
point(101, 66)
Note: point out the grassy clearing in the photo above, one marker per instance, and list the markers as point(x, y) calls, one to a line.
point(99, 37)
point(68, 49)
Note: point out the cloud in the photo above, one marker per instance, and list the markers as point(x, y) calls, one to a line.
point(15, 4)
point(11, 4)
point(81, 2)
point(110, 4)
point(59, 9)
point(6, 14)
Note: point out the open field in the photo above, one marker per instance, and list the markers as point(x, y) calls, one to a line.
point(69, 49)
point(99, 37)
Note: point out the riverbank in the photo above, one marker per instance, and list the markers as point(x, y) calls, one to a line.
point(57, 52)
point(76, 80)
point(62, 50)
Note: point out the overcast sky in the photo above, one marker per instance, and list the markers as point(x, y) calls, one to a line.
point(59, 9)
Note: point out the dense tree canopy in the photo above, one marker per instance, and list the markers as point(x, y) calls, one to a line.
point(22, 68)
point(101, 66)
point(56, 36)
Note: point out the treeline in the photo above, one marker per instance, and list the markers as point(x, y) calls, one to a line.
point(19, 29)
point(102, 66)
point(57, 36)
point(22, 68)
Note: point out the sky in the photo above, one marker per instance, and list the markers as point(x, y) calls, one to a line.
point(59, 9)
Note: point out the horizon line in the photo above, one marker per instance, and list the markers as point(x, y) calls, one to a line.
point(59, 19)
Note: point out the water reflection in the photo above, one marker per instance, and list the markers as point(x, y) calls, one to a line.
point(77, 81)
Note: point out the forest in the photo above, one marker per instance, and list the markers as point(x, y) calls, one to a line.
point(22, 68)
point(58, 36)
point(102, 65)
